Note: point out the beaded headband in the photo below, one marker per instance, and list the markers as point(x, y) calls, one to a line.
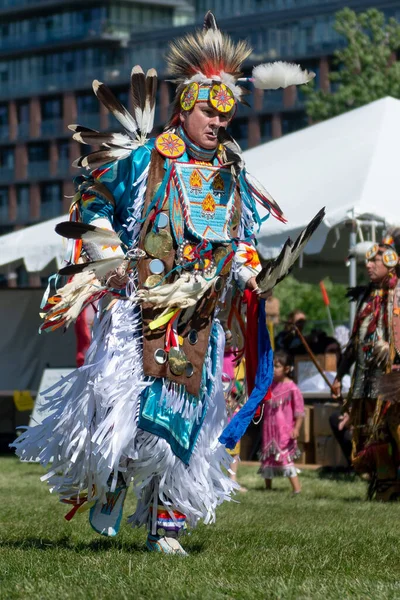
point(219, 95)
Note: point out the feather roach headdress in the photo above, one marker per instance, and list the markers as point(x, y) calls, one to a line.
point(206, 66)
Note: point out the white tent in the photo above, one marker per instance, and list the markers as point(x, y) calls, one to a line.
point(36, 246)
point(350, 165)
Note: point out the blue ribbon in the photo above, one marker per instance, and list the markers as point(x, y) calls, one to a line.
point(235, 430)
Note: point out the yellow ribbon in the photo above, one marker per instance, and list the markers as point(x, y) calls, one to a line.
point(163, 320)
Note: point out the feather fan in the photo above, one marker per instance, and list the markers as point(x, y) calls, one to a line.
point(117, 146)
point(274, 270)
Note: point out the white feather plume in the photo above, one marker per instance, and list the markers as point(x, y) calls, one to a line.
point(271, 76)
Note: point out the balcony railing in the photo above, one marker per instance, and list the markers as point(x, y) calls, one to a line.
point(6, 174)
point(7, 4)
point(52, 127)
point(38, 169)
point(94, 30)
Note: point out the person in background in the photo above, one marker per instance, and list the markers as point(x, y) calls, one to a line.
point(281, 423)
point(373, 400)
point(288, 339)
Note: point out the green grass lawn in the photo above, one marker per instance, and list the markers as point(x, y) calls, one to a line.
point(326, 543)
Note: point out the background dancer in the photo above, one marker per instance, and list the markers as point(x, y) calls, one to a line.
point(374, 349)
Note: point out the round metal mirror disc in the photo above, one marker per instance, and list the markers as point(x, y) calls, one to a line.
point(162, 220)
point(177, 361)
point(160, 356)
point(219, 256)
point(156, 266)
point(218, 284)
point(189, 370)
point(159, 244)
point(193, 337)
point(152, 281)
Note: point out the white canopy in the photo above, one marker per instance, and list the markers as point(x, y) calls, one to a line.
point(36, 246)
point(349, 164)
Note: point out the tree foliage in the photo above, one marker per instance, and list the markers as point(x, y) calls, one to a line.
point(307, 297)
point(367, 66)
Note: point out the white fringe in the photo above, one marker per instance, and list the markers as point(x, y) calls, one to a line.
point(93, 433)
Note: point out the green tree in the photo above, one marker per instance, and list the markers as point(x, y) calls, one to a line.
point(307, 297)
point(367, 67)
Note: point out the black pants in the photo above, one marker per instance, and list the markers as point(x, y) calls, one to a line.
point(343, 437)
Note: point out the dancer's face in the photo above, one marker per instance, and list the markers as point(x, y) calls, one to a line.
point(202, 123)
point(376, 269)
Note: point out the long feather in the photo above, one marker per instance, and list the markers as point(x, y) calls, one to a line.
point(276, 269)
point(103, 139)
point(81, 129)
point(101, 158)
point(150, 103)
point(88, 233)
point(138, 92)
point(210, 21)
point(99, 267)
point(119, 111)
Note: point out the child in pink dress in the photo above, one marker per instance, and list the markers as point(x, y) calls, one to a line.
point(282, 419)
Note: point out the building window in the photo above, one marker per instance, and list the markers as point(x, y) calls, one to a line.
point(3, 114)
point(38, 152)
point(23, 204)
point(293, 122)
point(87, 103)
point(4, 219)
point(63, 150)
point(51, 200)
point(23, 111)
point(51, 108)
point(238, 130)
point(23, 114)
point(266, 129)
point(6, 158)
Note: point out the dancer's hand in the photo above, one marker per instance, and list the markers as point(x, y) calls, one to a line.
point(252, 285)
point(336, 391)
point(118, 278)
point(344, 420)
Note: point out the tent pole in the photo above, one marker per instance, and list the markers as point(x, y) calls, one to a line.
point(353, 269)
